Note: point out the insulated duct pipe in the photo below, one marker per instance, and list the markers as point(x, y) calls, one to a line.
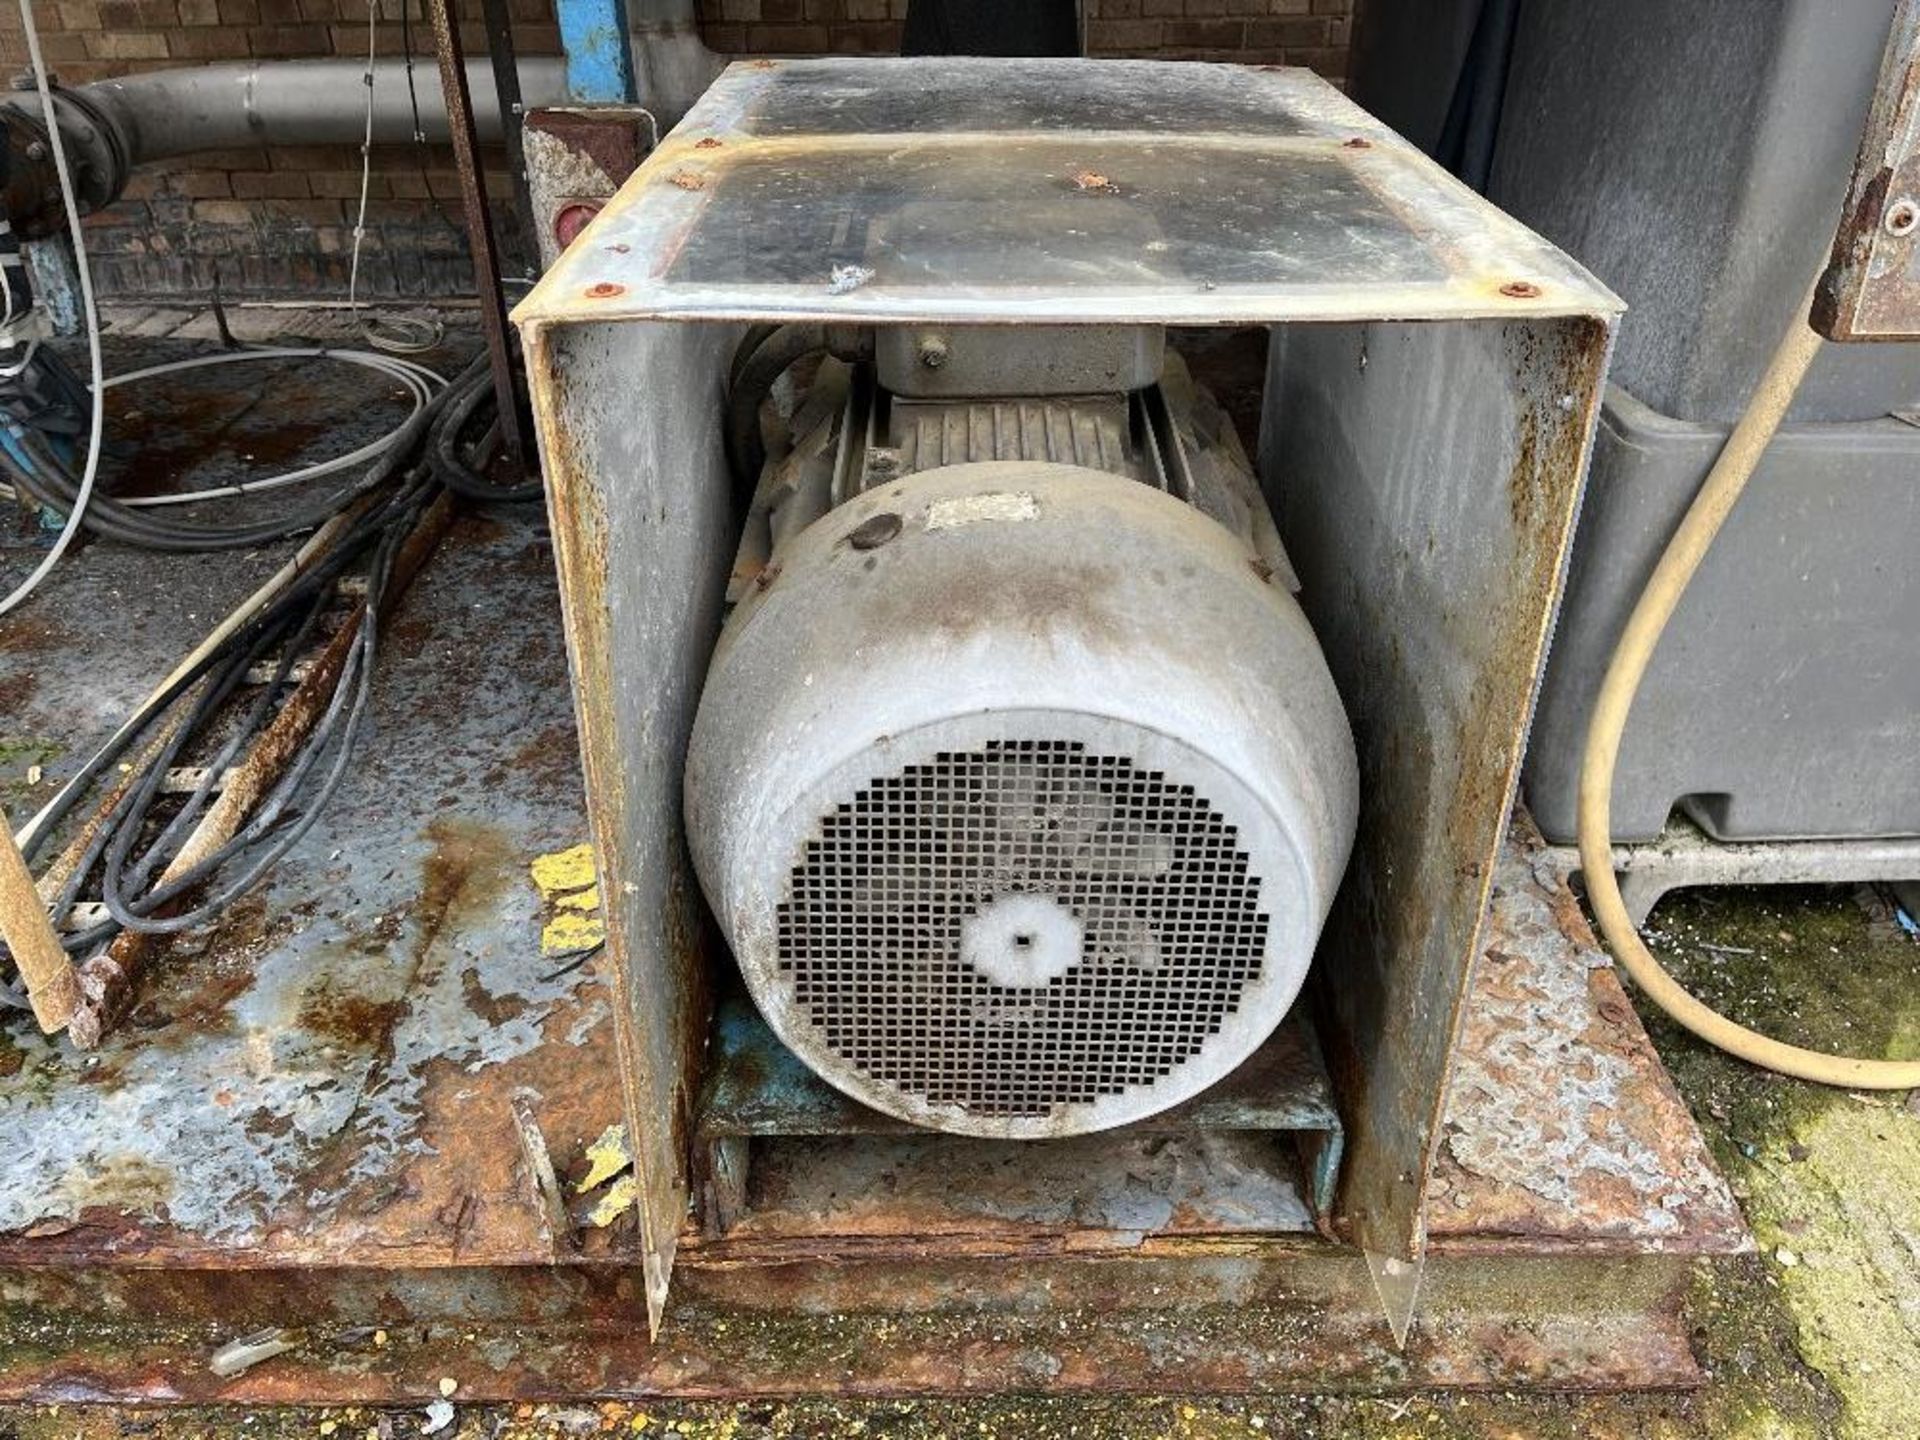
point(167, 113)
point(113, 126)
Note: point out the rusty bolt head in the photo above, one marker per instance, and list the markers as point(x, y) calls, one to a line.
point(605, 290)
point(707, 143)
point(1902, 215)
point(1356, 142)
point(933, 351)
point(874, 531)
point(1520, 290)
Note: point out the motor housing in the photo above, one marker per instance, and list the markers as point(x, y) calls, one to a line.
point(1020, 787)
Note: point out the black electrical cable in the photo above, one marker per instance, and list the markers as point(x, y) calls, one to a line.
point(47, 480)
point(453, 471)
point(136, 842)
point(753, 380)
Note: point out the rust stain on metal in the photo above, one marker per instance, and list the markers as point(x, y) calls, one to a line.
point(687, 180)
point(605, 290)
point(1356, 142)
point(658, 960)
point(1084, 179)
point(1871, 288)
point(1520, 290)
point(1561, 1122)
point(1100, 1327)
point(1444, 782)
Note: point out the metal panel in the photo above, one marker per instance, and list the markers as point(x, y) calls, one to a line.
point(640, 504)
point(1048, 191)
point(1291, 1317)
point(1435, 488)
point(577, 159)
point(1872, 289)
point(1426, 479)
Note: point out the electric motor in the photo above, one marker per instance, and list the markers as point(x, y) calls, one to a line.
point(1019, 784)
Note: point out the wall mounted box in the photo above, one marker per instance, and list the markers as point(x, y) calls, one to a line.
point(1435, 373)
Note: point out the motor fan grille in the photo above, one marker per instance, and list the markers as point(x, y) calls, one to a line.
point(1124, 903)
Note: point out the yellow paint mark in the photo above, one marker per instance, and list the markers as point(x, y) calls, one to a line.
point(606, 1158)
point(587, 899)
point(562, 870)
point(567, 882)
point(570, 932)
point(620, 1197)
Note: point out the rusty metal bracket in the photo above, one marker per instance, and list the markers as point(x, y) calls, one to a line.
point(1871, 290)
point(479, 216)
point(576, 160)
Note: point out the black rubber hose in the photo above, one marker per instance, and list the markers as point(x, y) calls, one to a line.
point(755, 337)
point(53, 486)
point(452, 470)
point(753, 383)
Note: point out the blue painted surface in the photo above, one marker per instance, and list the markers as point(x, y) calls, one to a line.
point(593, 34)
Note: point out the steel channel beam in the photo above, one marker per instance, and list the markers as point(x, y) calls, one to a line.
point(479, 216)
point(513, 112)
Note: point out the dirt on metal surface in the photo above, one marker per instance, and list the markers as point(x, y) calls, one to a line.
point(1814, 1345)
point(1816, 1342)
point(1562, 1125)
point(327, 1075)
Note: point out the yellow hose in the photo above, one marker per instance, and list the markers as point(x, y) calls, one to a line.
point(1684, 552)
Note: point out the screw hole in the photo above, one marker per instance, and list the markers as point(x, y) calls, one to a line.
point(1902, 216)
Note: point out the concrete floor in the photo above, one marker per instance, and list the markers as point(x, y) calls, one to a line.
point(1817, 1336)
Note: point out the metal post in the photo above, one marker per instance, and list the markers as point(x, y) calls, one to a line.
point(473, 198)
point(593, 33)
point(506, 89)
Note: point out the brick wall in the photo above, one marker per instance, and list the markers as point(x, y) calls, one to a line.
point(1267, 32)
point(278, 221)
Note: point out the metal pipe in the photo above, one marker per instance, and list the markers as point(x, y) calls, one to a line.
point(167, 113)
point(114, 126)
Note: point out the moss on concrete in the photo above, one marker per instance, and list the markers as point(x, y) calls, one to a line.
point(1830, 1180)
